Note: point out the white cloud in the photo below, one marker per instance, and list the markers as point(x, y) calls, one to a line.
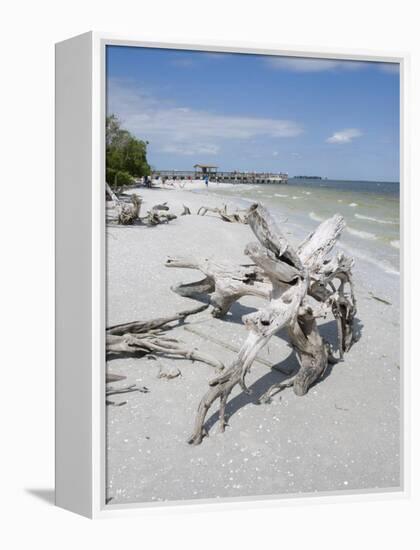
point(187, 131)
point(312, 65)
point(316, 65)
point(344, 136)
point(191, 149)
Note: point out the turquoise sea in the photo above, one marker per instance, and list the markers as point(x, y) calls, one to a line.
point(371, 210)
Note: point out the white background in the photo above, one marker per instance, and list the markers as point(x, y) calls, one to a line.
point(29, 30)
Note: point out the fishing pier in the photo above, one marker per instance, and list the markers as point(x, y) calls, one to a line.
point(211, 172)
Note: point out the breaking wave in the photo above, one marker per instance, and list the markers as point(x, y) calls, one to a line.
point(377, 220)
point(383, 265)
point(315, 217)
point(361, 234)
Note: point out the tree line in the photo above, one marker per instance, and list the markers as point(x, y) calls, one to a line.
point(126, 156)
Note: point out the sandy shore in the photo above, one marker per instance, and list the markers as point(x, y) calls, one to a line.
point(342, 436)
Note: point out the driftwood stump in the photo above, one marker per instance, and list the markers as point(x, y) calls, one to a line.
point(301, 285)
point(128, 213)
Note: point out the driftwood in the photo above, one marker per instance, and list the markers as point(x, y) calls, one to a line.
point(158, 207)
point(129, 213)
point(225, 282)
point(186, 211)
point(303, 285)
point(110, 377)
point(110, 193)
point(235, 349)
point(127, 389)
point(155, 217)
point(240, 216)
point(159, 213)
point(148, 337)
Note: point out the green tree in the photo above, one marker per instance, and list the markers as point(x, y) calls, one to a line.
point(126, 156)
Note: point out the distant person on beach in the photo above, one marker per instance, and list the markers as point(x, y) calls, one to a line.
point(206, 180)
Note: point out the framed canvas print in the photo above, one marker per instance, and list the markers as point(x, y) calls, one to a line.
point(229, 274)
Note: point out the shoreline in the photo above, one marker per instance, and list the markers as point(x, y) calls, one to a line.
point(343, 435)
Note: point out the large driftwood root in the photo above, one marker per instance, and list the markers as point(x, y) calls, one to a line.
point(149, 337)
point(302, 288)
point(239, 216)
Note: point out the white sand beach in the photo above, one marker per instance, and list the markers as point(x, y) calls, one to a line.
point(344, 435)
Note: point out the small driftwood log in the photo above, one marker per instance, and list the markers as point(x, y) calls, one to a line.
point(158, 214)
point(158, 207)
point(156, 218)
point(302, 287)
point(240, 216)
point(143, 337)
point(186, 211)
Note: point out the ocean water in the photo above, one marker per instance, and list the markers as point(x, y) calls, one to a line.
point(371, 210)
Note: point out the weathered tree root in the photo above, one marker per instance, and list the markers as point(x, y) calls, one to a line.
point(240, 216)
point(224, 282)
point(143, 337)
point(156, 218)
point(302, 289)
point(127, 389)
point(129, 214)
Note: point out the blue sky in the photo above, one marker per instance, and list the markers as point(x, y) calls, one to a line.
point(336, 119)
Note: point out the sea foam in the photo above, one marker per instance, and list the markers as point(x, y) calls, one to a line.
point(377, 220)
point(361, 234)
point(315, 217)
point(383, 265)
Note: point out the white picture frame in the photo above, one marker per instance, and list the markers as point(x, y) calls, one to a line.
point(80, 270)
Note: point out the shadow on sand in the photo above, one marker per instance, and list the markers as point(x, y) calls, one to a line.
point(47, 495)
point(290, 364)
